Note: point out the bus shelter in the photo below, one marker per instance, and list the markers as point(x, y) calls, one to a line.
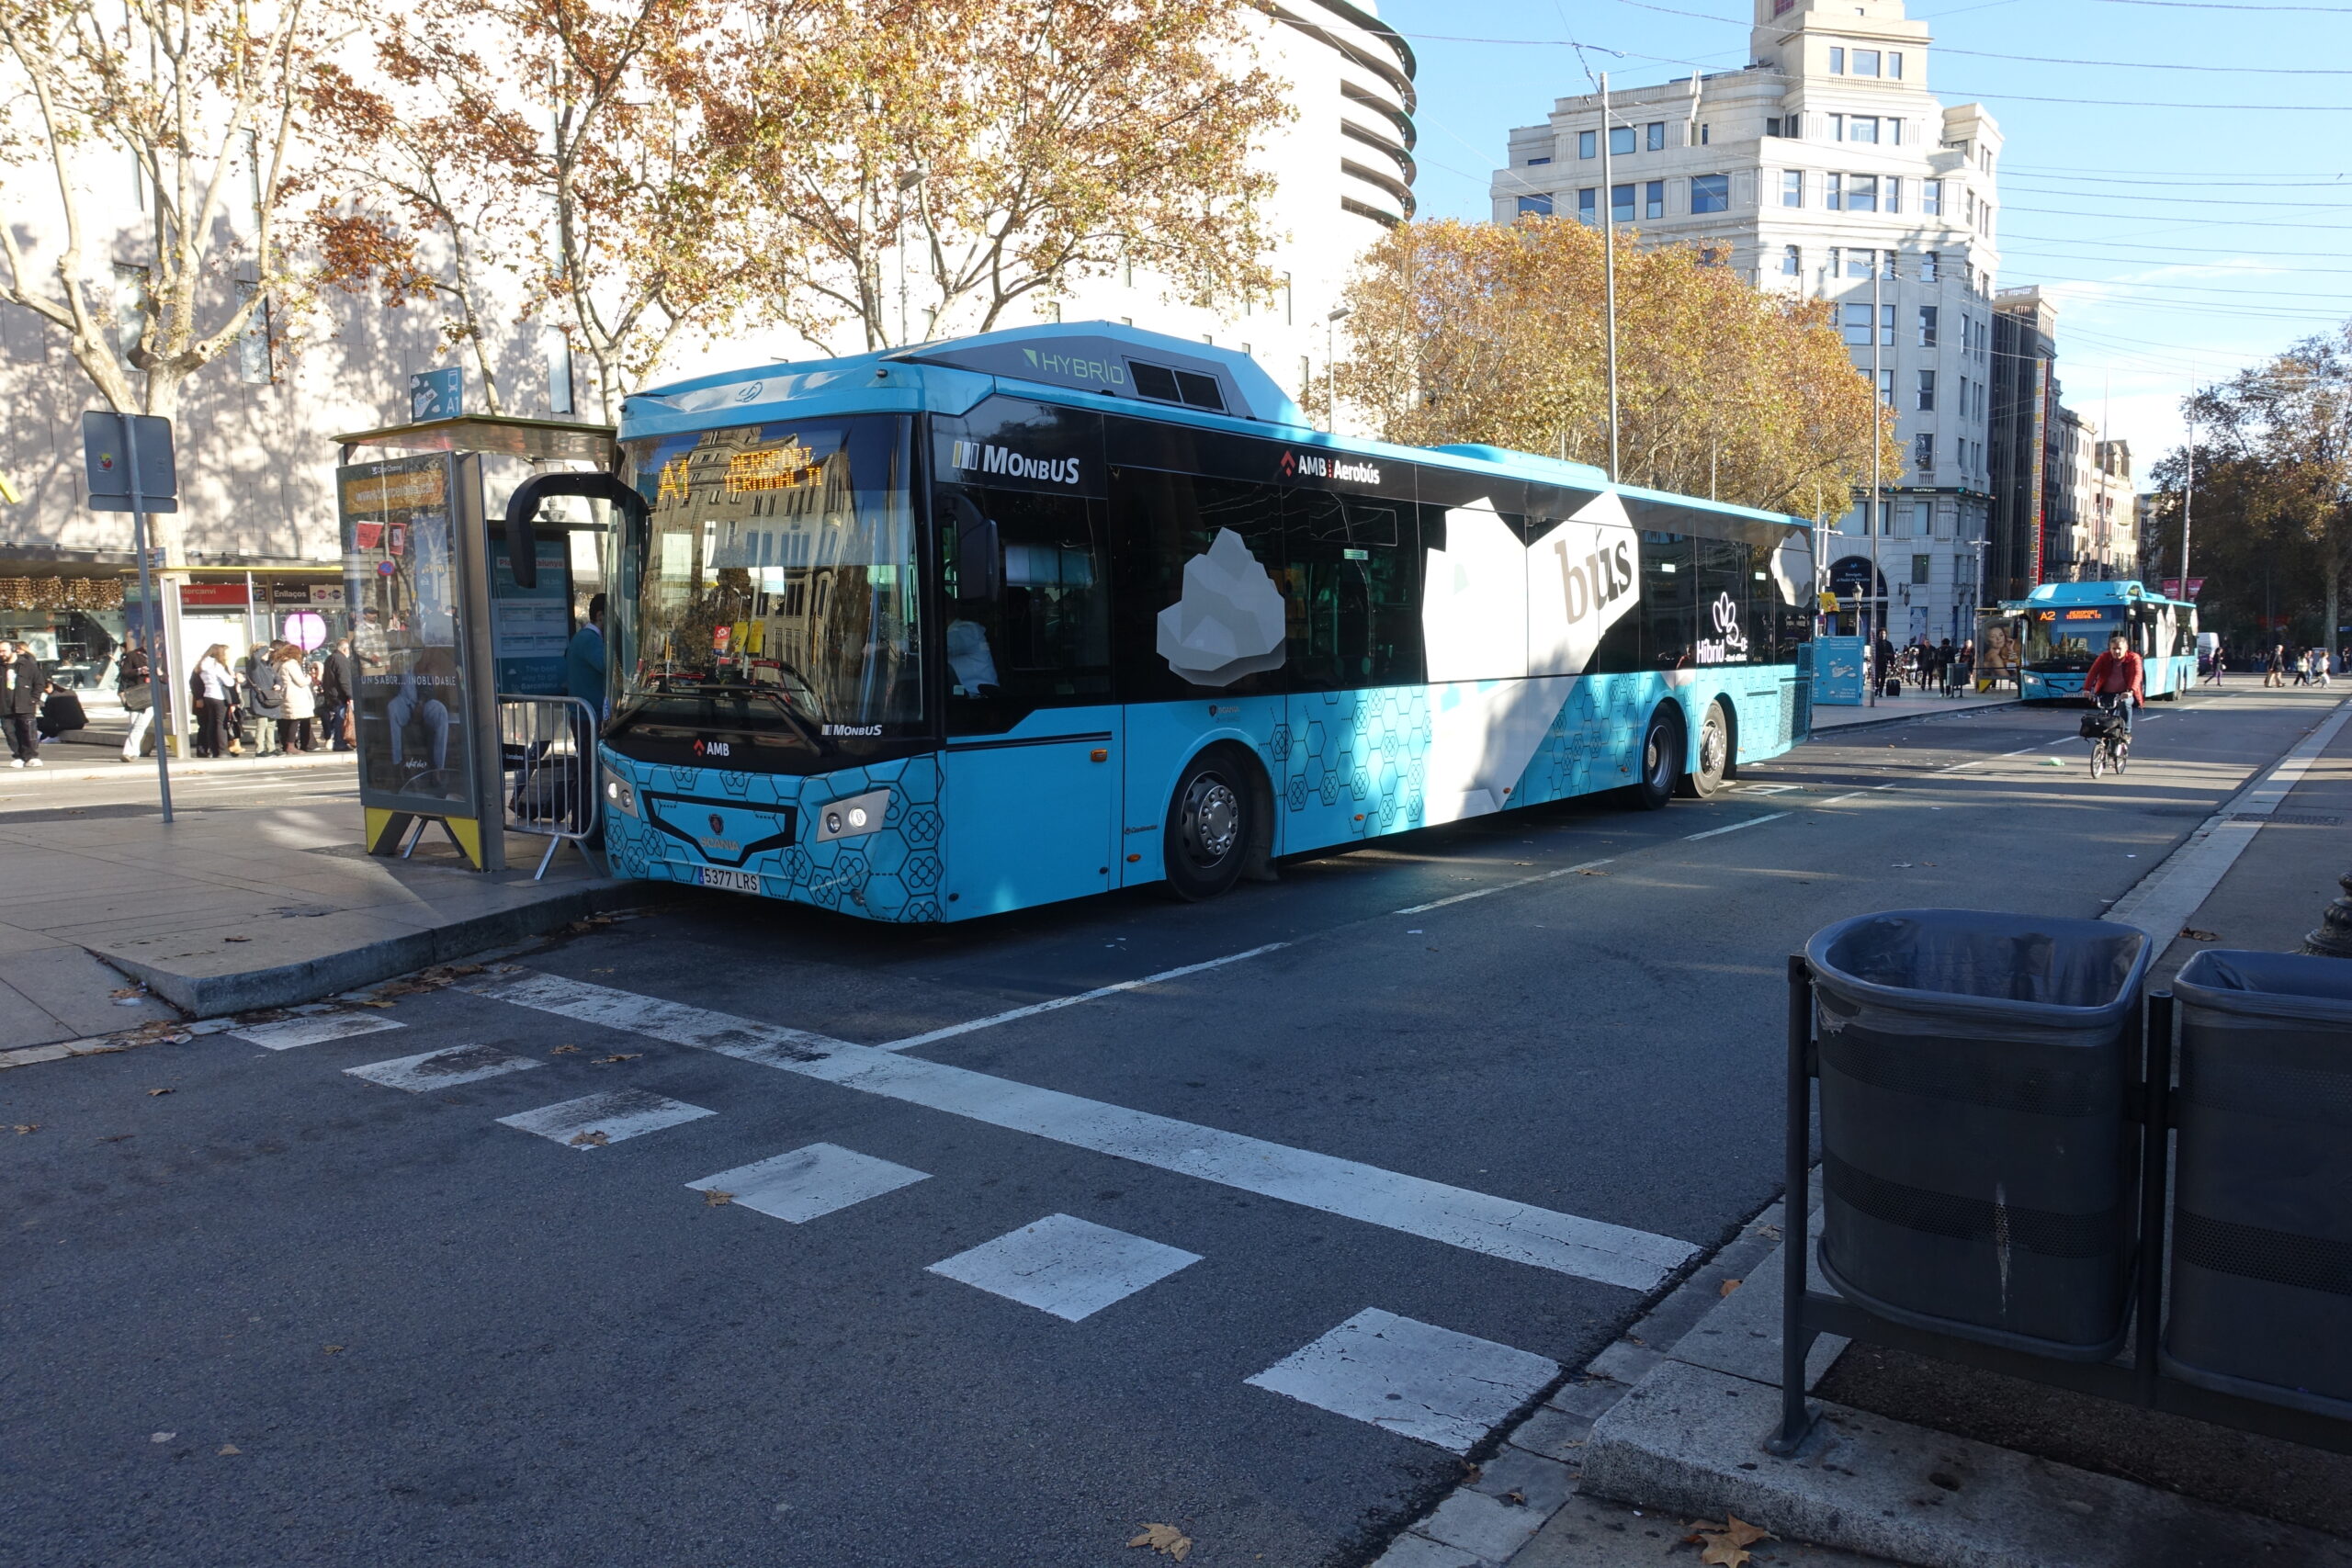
point(446, 624)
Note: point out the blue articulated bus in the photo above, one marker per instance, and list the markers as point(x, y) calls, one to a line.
point(985, 624)
point(2066, 625)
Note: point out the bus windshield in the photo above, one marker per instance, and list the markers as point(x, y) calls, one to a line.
point(779, 591)
point(2058, 641)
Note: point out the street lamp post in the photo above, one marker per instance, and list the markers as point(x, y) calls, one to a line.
point(1874, 515)
point(1607, 215)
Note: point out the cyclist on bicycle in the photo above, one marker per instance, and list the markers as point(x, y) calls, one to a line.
point(2118, 673)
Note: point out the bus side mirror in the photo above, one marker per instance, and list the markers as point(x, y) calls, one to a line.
point(979, 557)
point(523, 508)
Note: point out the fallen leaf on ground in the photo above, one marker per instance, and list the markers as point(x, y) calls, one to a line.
point(1167, 1539)
point(1515, 1498)
point(465, 968)
point(228, 1449)
point(236, 939)
point(152, 1092)
point(117, 1137)
point(125, 991)
point(712, 1197)
point(374, 1004)
point(28, 1126)
point(1729, 1286)
point(590, 1140)
point(2193, 934)
point(618, 1057)
point(1725, 1545)
point(565, 1051)
point(1592, 873)
point(332, 1349)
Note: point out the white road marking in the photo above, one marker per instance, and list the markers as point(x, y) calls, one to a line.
point(286, 1033)
point(1497, 1227)
point(2164, 900)
point(810, 1182)
point(1501, 887)
point(1769, 789)
point(1412, 1378)
point(1069, 1266)
point(910, 1042)
point(1719, 833)
point(616, 1114)
point(443, 1070)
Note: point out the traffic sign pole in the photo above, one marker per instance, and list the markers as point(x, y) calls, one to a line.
point(158, 686)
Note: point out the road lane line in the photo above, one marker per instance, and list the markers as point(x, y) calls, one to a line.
point(2164, 900)
point(1719, 833)
point(1475, 1222)
point(1501, 887)
point(911, 1041)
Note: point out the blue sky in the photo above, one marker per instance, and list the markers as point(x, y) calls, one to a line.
point(2180, 242)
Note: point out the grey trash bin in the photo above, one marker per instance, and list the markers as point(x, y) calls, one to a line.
point(1979, 1174)
point(2262, 1185)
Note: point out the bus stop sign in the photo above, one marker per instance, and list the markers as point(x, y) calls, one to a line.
point(115, 446)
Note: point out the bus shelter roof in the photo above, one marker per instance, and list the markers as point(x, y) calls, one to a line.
point(542, 439)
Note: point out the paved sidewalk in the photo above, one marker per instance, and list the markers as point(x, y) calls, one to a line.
point(1827, 717)
point(113, 919)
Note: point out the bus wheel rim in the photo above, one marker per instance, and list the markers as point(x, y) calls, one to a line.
point(1212, 819)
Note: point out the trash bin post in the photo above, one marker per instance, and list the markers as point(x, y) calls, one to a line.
point(2333, 937)
point(1796, 1214)
point(2155, 1167)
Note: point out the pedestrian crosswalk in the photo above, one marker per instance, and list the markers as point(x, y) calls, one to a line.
point(1419, 1380)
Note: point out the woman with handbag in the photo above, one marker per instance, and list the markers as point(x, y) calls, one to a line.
point(213, 684)
point(131, 682)
point(298, 701)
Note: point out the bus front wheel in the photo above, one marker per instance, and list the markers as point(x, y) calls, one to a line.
point(1715, 755)
point(1661, 759)
point(1209, 827)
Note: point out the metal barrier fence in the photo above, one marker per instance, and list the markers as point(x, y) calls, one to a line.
point(547, 753)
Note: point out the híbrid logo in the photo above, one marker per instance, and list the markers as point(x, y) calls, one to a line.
point(1730, 644)
point(982, 456)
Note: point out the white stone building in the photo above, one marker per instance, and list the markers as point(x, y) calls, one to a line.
point(1829, 168)
point(255, 434)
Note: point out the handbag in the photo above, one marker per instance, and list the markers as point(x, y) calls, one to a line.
point(139, 698)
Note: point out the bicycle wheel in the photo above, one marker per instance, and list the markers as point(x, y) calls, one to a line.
point(2098, 758)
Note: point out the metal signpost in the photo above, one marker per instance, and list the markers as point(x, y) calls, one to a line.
point(129, 465)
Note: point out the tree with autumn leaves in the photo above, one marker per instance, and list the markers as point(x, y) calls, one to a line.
point(1475, 332)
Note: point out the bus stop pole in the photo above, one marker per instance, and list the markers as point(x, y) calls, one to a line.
point(158, 687)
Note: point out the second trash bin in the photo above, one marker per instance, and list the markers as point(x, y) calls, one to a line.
point(2262, 1205)
point(1978, 1168)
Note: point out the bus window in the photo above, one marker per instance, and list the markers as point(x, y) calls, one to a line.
point(1161, 524)
point(1728, 626)
point(1669, 600)
point(1028, 605)
point(1353, 621)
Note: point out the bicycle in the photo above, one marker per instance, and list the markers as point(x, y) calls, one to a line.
point(2111, 738)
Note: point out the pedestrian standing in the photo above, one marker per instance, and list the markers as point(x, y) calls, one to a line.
point(2214, 670)
point(338, 686)
point(215, 684)
point(21, 685)
point(132, 684)
point(2323, 667)
point(261, 695)
point(2274, 670)
point(1943, 658)
point(298, 701)
point(1964, 664)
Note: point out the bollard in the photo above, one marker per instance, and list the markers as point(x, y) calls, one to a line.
point(2333, 937)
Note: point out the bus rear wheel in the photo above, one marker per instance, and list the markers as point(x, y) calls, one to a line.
point(1661, 759)
point(1715, 755)
point(1209, 827)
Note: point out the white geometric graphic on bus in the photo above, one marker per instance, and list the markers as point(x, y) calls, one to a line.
point(1229, 623)
point(1473, 602)
point(1793, 568)
point(1583, 576)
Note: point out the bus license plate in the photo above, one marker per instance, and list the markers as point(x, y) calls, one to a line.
point(733, 880)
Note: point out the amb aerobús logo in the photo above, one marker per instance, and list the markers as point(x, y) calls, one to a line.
point(987, 458)
point(1322, 466)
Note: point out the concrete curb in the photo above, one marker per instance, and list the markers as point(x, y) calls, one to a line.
point(1832, 731)
point(1688, 1438)
point(211, 995)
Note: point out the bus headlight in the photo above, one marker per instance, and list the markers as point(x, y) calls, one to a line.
point(618, 795)
point(852, 817)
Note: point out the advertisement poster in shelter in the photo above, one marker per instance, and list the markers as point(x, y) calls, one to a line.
point(401, 584)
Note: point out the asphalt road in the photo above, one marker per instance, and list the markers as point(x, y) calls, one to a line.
point(1472, 1094)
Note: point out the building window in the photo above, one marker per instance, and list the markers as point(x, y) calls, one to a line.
point(1927, 325)
point(1861, 128)
point(1931, 198)
point(1926, 518)
point(1831, 271)
point(1894, 193)
point(1588, 144)
point(253, 343)
point(1926, 391)
point(1589, 206)
point(1856, 318)
point(1861, 193)
point(1793, 187)
point(1859, 263)
point(1540, 205)
point(1865, 62)
point(1930, 263)
point(1535, 162)
point(1833, 191)
point(559, 351)
point(1886, 337)
point(1711, 193)
point(1653, 134)
point(1620, 204)
point(1895, 65)
point(1895, 131)
point(1837, 128)
point(1653, 199)
point(1620, 141)
point(1887, 264)
point(1923, 452)
point(1791, 262)
point(1920, 566)
point(1837, 61)
point(1886, 388)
